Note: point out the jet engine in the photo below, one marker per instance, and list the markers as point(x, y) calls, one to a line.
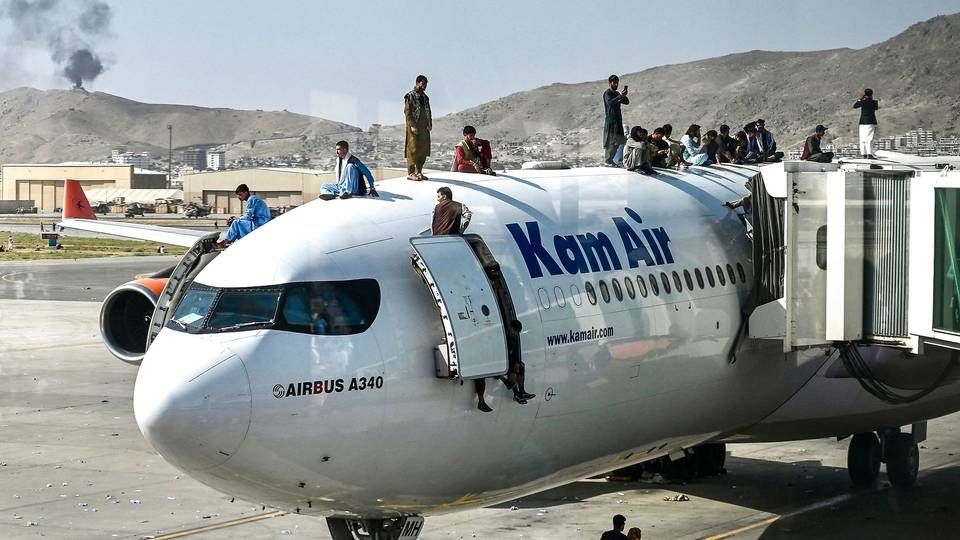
point(125, 317)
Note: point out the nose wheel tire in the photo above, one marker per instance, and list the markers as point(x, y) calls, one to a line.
point(863, 459)
point(903, 460)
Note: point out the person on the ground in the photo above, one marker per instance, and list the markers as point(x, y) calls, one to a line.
point(634, 534)
point(10, 243)
point(474, 154)
point(616, 533)
point(349, 173)
point(418, 121)
point(727, 146)
point(811, 147)
point(675, 157)
point(451, 217)
point(638, 152)
point(693, 153)
point(868, 122)
point(660, 148)
point(162, 249)
point(256, 216)
point(613, 136)
point(768, 145)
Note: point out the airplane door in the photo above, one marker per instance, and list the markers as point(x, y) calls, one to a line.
point(475, 341)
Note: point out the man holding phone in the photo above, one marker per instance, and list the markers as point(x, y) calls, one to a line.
point(868, 122)
point(613, 136)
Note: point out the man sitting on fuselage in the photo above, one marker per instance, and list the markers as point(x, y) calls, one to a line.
point(473, 153)
point(349, 174)
point(257, 215)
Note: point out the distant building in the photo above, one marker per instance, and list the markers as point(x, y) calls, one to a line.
point(43, 183)
point(216, 160)
point(140, 160)
point(195, 158)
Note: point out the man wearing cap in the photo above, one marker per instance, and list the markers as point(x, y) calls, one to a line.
point(868, 122)
point(811, 147)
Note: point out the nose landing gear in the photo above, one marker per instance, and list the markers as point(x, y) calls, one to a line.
point(898, 450)
point(402, 528)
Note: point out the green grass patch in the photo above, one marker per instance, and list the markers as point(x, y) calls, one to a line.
point(77, 247)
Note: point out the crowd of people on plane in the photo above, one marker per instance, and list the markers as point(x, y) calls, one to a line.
point(642, 150)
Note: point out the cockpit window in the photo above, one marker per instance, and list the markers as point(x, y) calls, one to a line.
point(337, 308)
point(244, 308)
point(321, 308)
point(194, 308)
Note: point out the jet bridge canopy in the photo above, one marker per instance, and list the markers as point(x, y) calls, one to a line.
point(869, 254)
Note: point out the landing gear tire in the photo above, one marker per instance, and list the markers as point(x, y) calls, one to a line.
point(679, 471)
point(903, 460)
point(863, 459)
point(710, 458)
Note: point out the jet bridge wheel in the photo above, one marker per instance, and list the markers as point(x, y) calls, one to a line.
point(903, 459)
point(863, 459)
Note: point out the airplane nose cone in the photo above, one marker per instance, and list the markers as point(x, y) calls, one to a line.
point(194, 419)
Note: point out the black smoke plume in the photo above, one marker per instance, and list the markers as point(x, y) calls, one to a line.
point(65, 29)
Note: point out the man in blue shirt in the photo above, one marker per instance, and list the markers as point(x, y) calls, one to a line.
point(256, 215)
point(349, 174)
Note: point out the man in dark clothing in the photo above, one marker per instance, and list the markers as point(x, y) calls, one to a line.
point(449, 216)
point(662, 151)
point(613, 137)
point(768, 145)
point(727, 152)
point(619, 522)
point(868, 122)
point(811, 147)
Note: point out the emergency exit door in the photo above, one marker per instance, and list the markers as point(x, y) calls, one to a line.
point(475, 342)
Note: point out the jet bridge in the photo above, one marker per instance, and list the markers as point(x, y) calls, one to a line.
point(857, 252)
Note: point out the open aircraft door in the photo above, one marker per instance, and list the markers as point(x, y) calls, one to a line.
point(475, 341)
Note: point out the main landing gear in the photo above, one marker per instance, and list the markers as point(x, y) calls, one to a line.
point(402, 528)
point(898, 450)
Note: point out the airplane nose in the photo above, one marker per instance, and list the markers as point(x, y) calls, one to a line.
point(194, 420)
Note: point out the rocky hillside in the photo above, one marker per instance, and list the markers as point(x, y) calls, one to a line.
point(64, 125)
point(915, 75)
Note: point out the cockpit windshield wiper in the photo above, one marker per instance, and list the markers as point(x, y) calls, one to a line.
point(243, 325)
point(180, 324)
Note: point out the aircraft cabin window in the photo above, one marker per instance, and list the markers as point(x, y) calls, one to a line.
point(544, 298)
point(676, 282)
point(575, 295)
point(654, 288)
point(558, 293)
point(591, 294)
point(604, 291)
point(710, 280)
point(666, 282)
point(720, 277)
point(642, 286)
point(631, 290)
point(730, 274)
point(617, 291)
point(743, 276)
point(688, 279)
point(699, 274)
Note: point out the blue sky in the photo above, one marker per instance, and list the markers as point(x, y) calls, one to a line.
point(352, 61)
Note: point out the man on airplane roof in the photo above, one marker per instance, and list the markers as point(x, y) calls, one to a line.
point(350, 173)
point(257, 215)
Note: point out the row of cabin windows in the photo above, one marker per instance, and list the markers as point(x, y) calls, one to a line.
point(708, 277)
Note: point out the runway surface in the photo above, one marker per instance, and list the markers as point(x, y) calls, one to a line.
point(74, 279)
point(73, 463)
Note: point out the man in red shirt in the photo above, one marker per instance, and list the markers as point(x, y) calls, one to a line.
point(473, 153)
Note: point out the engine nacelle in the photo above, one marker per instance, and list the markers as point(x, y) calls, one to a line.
point(125, 317)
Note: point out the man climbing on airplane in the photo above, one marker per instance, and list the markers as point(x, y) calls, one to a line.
point(257, 215)
point(349, 173)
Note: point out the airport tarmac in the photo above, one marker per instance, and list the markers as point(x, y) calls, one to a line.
point(73, 463)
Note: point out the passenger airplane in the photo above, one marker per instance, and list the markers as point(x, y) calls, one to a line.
point(318, 364)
